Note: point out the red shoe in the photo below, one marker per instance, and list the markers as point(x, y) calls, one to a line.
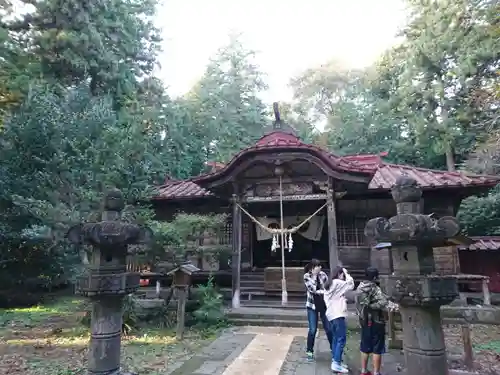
point(366, 373)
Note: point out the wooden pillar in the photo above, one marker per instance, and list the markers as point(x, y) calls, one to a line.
point(467, 342)
point(236, 252)
point(333, 252)
point(181, 311)
point(486, 292)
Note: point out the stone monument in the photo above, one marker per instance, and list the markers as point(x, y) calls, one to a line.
point(106, 280)
point(414, 284)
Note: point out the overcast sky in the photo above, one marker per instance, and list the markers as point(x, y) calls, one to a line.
point(290, 36)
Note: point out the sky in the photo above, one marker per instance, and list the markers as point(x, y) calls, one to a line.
point(289, 36)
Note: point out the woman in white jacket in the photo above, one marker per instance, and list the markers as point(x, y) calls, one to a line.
point(336, 313)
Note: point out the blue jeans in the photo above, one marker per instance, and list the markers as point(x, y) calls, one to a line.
point(339, 332)
point(312, 319)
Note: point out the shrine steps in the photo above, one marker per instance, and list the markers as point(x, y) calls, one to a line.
point(252, 280)
point(276, 317)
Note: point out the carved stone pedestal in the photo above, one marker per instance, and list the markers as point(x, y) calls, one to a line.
point(423, 345)
point(413, 284)
point(420, 299)
point(105, 339)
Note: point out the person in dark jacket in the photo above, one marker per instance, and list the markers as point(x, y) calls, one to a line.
point(315, 280)
point(370, 305)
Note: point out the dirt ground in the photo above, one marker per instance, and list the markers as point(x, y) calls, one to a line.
point(486, 346)
point(50, 340)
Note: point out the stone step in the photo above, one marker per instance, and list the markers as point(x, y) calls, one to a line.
point(252, 276)
point(257, 284)
point(255, 314)
point(269, 323)
point(260, 302)
point(267, 316)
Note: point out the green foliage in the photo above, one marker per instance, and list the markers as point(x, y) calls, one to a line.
point(480, 216)
point(107, 45)
point(210, 311)
point(80, 111)
point(227, 113)
point(181, 237)
point(59, 155)
point(427, 101)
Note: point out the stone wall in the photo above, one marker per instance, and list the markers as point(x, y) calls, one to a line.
point(445, 258)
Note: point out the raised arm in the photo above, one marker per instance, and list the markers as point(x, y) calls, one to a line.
point(340, 287)
point(380, 301)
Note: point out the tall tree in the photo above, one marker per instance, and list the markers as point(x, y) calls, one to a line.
point(356, 110)
point(105, 44)
point(449, 56)
point(227, 111)
point(59, 153)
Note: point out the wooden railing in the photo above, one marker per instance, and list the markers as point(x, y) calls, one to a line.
point(470, 279)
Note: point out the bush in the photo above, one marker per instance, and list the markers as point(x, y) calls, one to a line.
point(211, 310)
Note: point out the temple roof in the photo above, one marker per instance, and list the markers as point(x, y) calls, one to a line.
point(382, 175)
point(482, 243)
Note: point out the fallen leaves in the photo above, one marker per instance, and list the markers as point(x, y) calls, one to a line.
point(486, 345)
point(51, 341)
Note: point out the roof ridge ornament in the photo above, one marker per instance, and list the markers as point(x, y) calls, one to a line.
point(277, 118)
point(279, 125)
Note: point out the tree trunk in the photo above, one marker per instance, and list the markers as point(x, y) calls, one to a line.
point(450, 160)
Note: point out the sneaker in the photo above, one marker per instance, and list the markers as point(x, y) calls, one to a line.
point(338, 368)
point(366, 373)
point(310, 356)
point(345, 366)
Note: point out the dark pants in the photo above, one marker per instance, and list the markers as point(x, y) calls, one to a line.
point(339, 334)
point(312, 318)
point(372, 338)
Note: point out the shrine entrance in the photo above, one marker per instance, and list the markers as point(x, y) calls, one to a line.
point(302, 253)
point(282, 177)
point(310, 241)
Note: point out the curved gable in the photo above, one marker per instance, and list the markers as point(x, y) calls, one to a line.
point(286, 146)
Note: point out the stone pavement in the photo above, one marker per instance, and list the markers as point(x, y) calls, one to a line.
point(258, 350)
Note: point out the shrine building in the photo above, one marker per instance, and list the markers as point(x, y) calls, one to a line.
point(326, 199)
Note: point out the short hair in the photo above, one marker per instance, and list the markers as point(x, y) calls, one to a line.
point(313, 263)
point(371, 273)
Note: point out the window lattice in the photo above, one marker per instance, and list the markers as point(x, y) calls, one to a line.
point(350, 232)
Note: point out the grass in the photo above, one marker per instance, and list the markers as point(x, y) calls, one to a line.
point(50, 340)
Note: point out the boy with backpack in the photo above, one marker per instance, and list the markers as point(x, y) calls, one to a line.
point(371, 303)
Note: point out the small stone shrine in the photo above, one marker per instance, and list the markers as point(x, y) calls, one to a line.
point(182, 280)
point(414, 284)
point(106, 281)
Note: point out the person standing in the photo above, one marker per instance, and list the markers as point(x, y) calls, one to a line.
point(371, 303)
point(314, 281)
point(336, 313)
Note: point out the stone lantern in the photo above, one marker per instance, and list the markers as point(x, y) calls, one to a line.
point(414, 284)
point(106, 280)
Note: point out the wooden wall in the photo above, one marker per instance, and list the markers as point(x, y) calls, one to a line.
point(355, 259)
point(446, 259)
point(485, 263)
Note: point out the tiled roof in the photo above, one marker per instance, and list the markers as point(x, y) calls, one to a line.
point(383, 174)
point(483, 243)
point(278, 141)
point(181, 190)
point(387, 173)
